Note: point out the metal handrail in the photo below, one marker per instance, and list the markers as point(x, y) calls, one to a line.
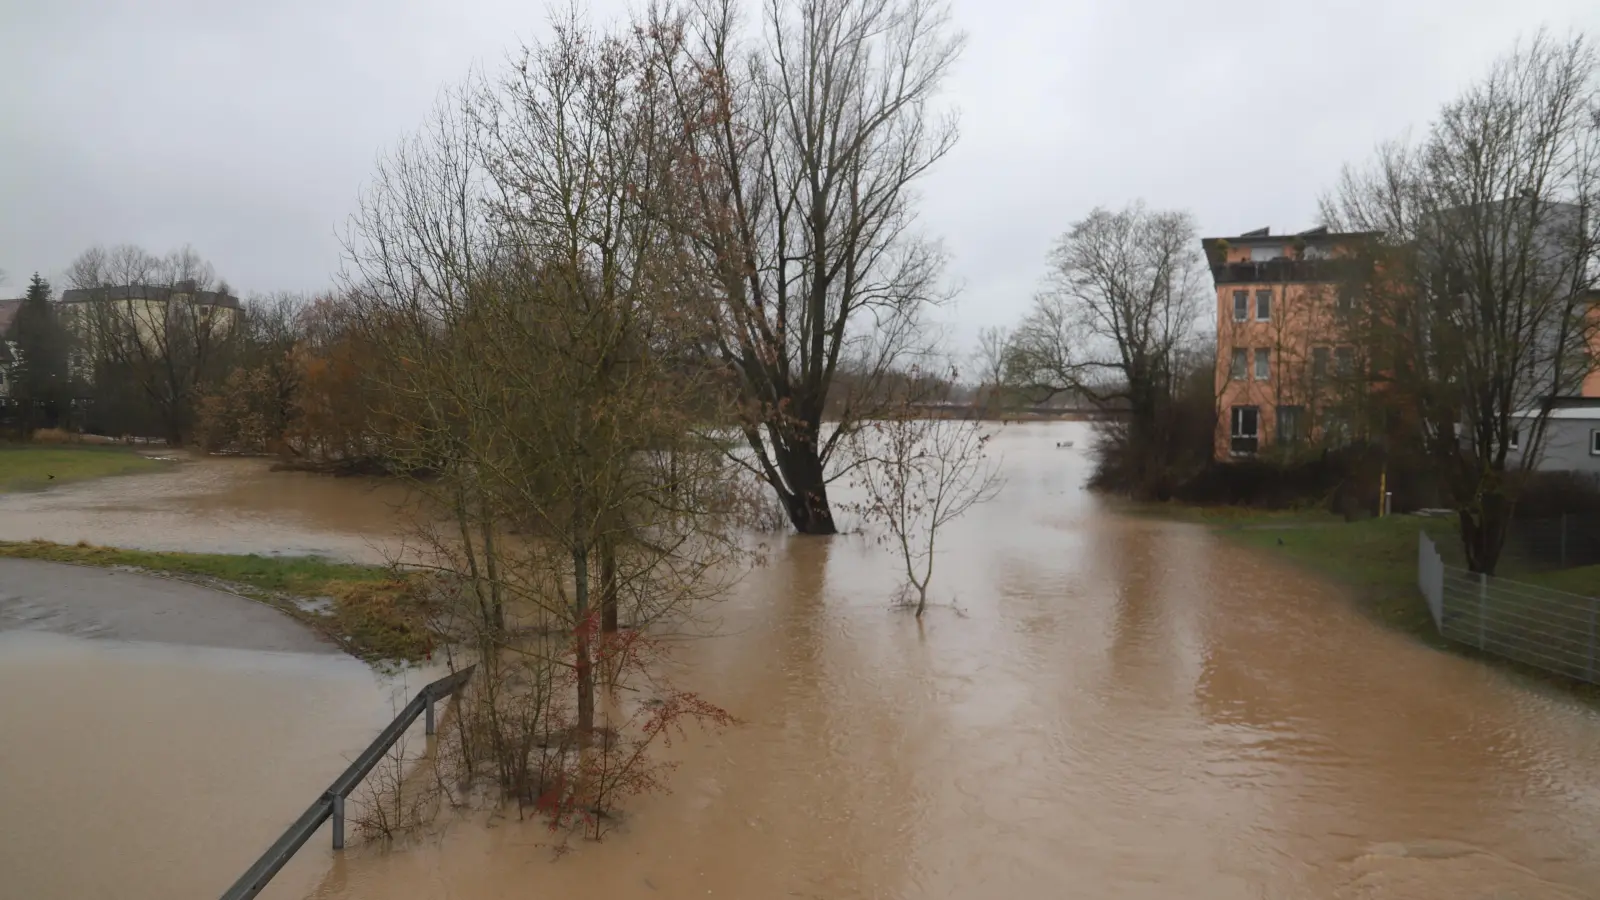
point(331, 803)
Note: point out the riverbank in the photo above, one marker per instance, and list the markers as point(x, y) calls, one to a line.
point(1377, 560)
point(25, 467)
point(371, 612)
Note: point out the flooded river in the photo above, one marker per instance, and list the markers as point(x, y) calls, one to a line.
point(1103, 706)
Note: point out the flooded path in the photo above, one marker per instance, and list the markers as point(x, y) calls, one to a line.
point(218, 505)
point(146, 771)
point(1113, 707)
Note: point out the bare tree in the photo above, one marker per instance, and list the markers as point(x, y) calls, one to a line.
point(1480, 291)
point(804, 136)
point(257, 404)
point(162, 325)
point(921, 474)
point(525, 303)
point(1123, 299)
point(994, 347)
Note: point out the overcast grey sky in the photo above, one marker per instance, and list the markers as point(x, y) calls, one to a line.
point(246, 129)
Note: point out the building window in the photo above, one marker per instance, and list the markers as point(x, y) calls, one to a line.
point(1263, 358)
point(1347, 300)
point(1319, 362)
point(1594, 442)
point(1265, 254)
point(1346, 360)
point(1335, 428)
point(1291, 425)
point(1317, 251)
point(1264, 306)
point(1246, 432)
point(1241, 365)
point(1516, 439)
point(1241, 305)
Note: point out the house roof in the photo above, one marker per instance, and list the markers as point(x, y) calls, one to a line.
point(8, 311)
point(1566, 408)
point(1591, 413)
point(146, 292)
point(1317, 235)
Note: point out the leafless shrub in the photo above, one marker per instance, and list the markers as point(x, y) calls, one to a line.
point(919, 475)
point(399, 796)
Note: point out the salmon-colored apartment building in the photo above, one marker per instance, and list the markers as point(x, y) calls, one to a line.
point(1279, 353)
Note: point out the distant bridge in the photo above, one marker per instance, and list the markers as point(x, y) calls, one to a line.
point(1063, 413)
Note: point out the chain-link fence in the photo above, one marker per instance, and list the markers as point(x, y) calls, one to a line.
point(1552, 630)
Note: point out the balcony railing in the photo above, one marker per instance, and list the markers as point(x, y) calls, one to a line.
point(1278, 271)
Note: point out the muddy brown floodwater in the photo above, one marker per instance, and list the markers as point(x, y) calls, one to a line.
point(1113, 707)
point(218, 505)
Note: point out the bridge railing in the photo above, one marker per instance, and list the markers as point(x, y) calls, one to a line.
point(331, 803)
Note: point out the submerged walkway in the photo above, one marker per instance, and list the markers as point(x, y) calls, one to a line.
point(117, 605)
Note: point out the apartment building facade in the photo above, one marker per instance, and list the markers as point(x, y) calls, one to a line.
point(1280, 353)
point(151, 312)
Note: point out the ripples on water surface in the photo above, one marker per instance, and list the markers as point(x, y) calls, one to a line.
point(1121, 708)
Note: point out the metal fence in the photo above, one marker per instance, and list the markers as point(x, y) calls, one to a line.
point(331, 803)
point(1568, 540)
point(1549, 629)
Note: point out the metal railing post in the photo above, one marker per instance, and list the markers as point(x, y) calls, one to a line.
point(1483, 610)
point(1563, 540)
point(1591, 667)
point(338, 821)
point(330, 803)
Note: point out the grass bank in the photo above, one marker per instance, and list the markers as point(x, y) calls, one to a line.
point(26, 467)
point(371, 611)
point(1377, 559)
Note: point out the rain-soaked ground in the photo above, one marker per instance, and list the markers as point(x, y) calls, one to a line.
point(1104, 707)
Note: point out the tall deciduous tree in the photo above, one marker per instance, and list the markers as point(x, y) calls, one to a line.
point(524, 300)
point(155, 329)
point(994, 349)
point(256, 406)
point(1486, 271)
point(805, 130)
point(39, 376)
point(1122, 302)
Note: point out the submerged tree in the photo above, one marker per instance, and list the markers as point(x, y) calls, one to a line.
point(804, 133)
point(523, 303)
point(1484, 270)
point(918, 475)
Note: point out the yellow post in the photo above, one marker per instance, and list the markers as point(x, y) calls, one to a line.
point(1383, 489)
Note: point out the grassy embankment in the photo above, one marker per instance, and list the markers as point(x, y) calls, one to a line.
point(25, 467)
point(371, 611)
point(1377, 559)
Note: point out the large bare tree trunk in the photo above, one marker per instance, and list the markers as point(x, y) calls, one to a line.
point(801, 141)
point(1484, 530)
point(805, 490)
